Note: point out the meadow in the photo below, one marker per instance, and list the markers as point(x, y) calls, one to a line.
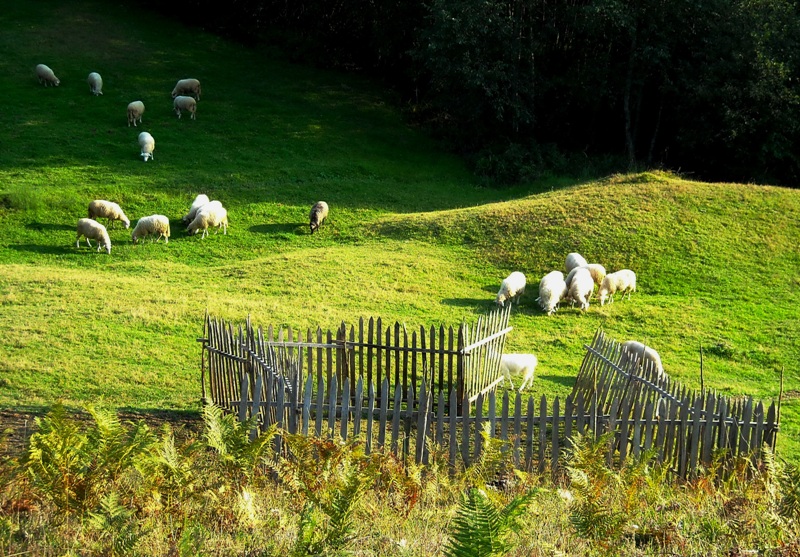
point(412, 236)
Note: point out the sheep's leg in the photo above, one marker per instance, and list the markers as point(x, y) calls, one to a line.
point(88, 242)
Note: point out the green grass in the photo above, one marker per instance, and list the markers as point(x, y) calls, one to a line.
point(411, 236)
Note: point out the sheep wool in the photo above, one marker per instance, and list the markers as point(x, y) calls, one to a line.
point(574, 260)
point(46, 76)
point(151, 226)
point(185, 103)
point(319, 212)
point(108, 210)
point(135, 111)
point(512, 288)
point(634, 352)
point(198, 202)
point(92, 229)
point(148, 145)
point(95, 83)
point(581, 287)
point(623, 281)
point(187, 87)
point(210, 215)
point(552, 289)
point(524, 364)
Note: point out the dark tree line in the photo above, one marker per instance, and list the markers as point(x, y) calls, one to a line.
point(522, 87)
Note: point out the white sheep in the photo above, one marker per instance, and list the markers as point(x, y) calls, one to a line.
point(185, 103)
point(135, 111)
point(581, 287)
point(94, 230)
point(187, 87)
point(512, 288)
point(518, 363)
point(633, 351)
point(623, 281)
point(95, 83)
point(108, 210)
point(148, 145)
point(46, 76)
point(552, 288)
point(574, 260)
point(210, 215)
point(319, 212)
point(198, 202)
point(152, 225)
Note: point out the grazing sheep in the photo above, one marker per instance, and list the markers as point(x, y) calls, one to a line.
point(46, 76)
point(518, 363)
point(574, 260)
point(93, 229)
point(319, 212)
point(185, 103)
point(597, 271)
point(210, 215)
point(154, 224)
point(552, 288)
point(95, 83)
point(622, 281)
point(187, 87)
point(581, 287)
point(108, 210)
point(512, 288)
point(135, 111)
point(633, 352)
point(148, 145)
point(198, 202)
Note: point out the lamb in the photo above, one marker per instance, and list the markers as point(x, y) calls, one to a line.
point(108, 210)
point(187, 87)
point(93, 229)
point(46, 76)
point(512, 288)
point(634, 352)
point(574, 260)
point(135, 111)
point(198, 202)
point(95, 83)
point(622, 281)
point(319, 212)
point(148, 145)
point(210, 215)
point(185, 103)
point(552, 288)
point(581, 287)
point(518, 363)
point(154, 224)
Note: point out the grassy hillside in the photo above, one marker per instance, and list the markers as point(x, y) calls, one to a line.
point(410, 237)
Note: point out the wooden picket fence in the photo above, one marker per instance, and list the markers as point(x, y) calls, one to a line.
point(678, 427)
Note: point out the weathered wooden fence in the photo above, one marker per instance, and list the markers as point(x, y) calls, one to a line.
point(679, 427)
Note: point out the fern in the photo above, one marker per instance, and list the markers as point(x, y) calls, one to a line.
point(117, 533)
point(231, 439)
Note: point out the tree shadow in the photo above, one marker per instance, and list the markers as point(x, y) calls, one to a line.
point(277, 228)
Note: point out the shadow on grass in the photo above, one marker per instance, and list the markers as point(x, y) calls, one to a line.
point(269, 229)
point(49, 226)
point(565, 380)
point(479, 304)
point(50, 250)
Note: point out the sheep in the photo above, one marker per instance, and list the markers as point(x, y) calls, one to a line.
point(135, 111)
point(622, 281)
point(154, 224)
point(95, 83)
point(93, 229)
point(574, 260)
point(518, 363)
point(319, 212)
point(210, 215)
point(597, 271)
point(198, 202)
point(148, 145)
point(185, 103)
point(187, 87)
point(633, 352)
point(46, 76)
point(552, 288)
point(108, 210)
point(581, 287)
point(512, 288)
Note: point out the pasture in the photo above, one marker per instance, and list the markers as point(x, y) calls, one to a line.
point(410, 237)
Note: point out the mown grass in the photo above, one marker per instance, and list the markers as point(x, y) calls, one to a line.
point(411, 236)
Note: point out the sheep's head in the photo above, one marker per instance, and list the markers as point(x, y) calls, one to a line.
point(146, 156)
point(500, 300)
point(126, 222)
point(602, 294)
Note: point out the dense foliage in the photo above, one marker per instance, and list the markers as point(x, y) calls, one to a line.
point(531, 86)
